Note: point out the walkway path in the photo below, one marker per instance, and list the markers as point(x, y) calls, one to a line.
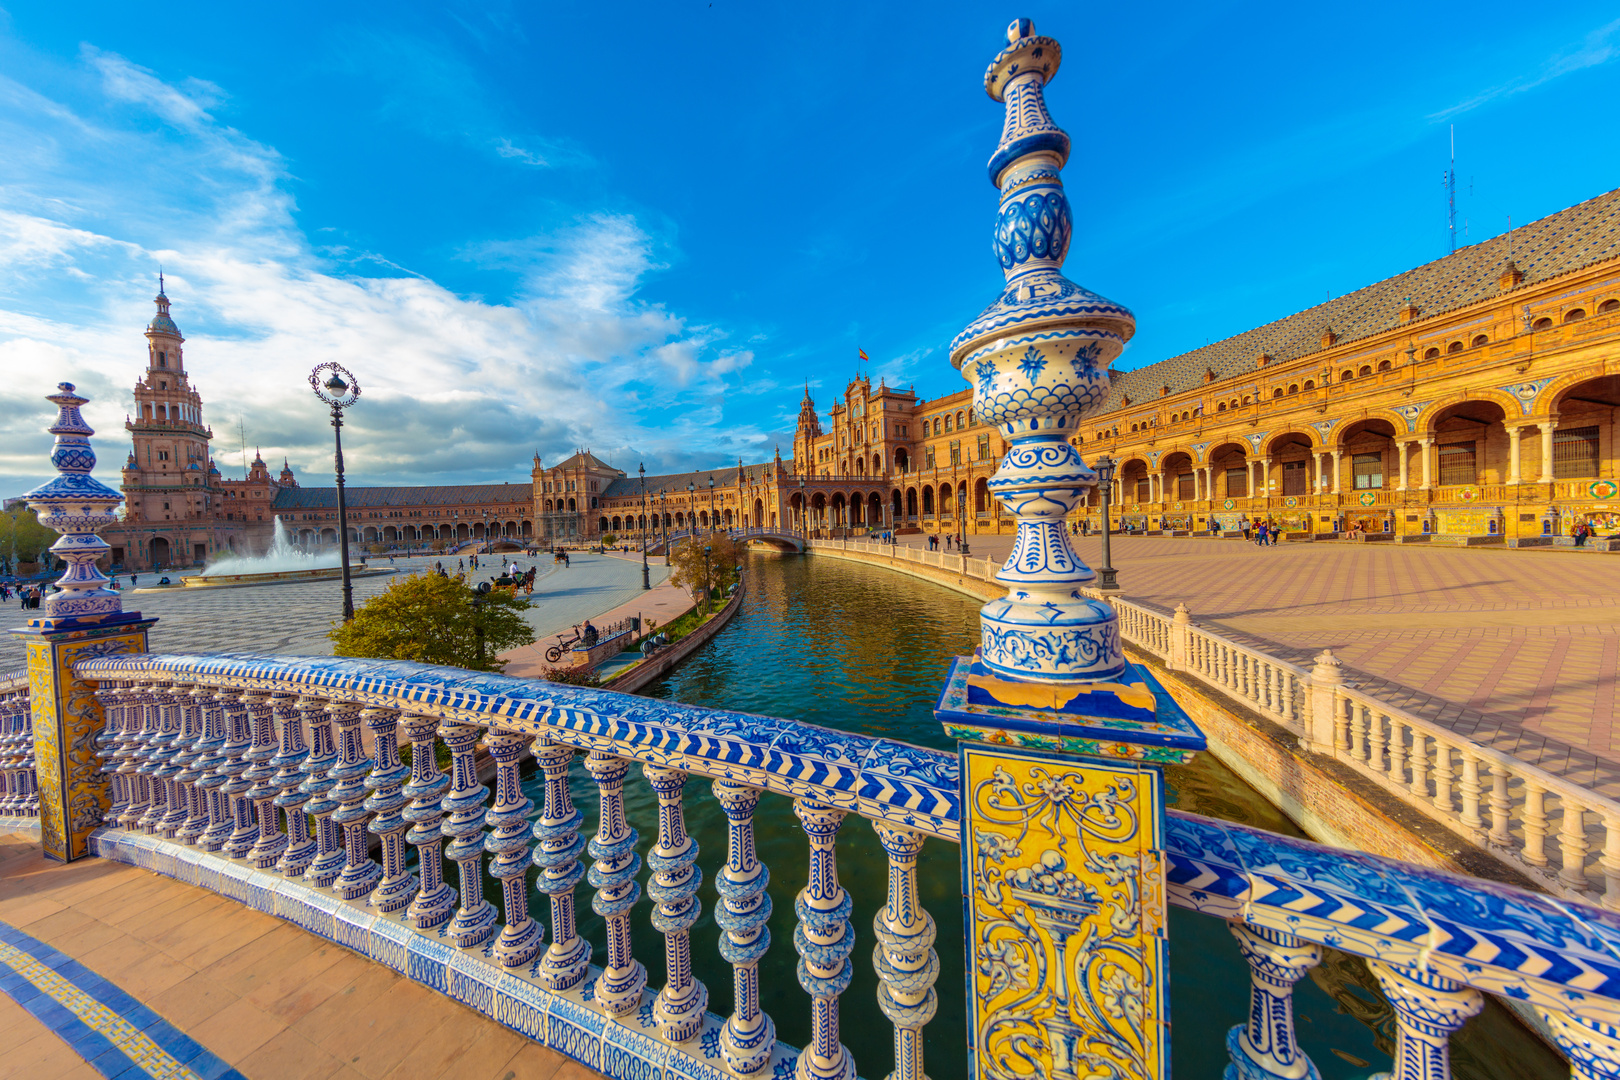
point(663, 603)
point(169, 972)
point(1517, 649)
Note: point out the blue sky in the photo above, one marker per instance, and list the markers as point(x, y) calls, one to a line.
point(641, 228)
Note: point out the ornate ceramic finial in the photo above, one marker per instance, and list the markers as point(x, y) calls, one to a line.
point(1038, 360)
point(76, 504)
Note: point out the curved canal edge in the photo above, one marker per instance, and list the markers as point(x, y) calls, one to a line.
point(633, 679)
point(1330, 803)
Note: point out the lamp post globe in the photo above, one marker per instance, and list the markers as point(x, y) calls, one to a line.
point(339, 393)
point(646, 578)
point(1104, 466)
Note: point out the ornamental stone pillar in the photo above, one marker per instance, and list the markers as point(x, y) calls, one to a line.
point(85, 619)
point(1400, 457)
point(1514, 434)
point(1043, 695)
point(1338, 471)
point(1547, 429)
point(1424, 443)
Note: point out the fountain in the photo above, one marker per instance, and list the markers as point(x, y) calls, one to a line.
point(284, 562)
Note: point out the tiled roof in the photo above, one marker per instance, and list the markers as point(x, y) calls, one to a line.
point(584, 459)
point(1560, 243)
point(630, 486)
point(360, 498)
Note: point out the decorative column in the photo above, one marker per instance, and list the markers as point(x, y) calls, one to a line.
point(1591, 1045)
point(1062, 740)
point(360, 872)
point(744, 910)
point(519, 939)
point(904, 957)
point(216, 735)
point(300, 850)
point(318, 785)
point(85, 619)
point(1338, 469)
point(613, 847)
point(679, 1007)
point(183, 804)
point(1400, 456)
point(388, 773)
point(1424, 443)
point(435, 902)
point(1547, 429)
point(238, 743)
point(475, 920)
point(110, 694)
point(271, 841)
point(1428, 1008)
point(156, 769)
point(1265, 1048)
point(138, 730)
point(1514, 434)
point(1321, 473)
point(568, 957)
point(824, 939)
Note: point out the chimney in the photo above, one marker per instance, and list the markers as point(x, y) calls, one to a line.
point(1328, 338)
point(1262, 360)
point(1510, 277)
point(1409, 310)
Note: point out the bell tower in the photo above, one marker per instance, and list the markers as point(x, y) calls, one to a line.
point(167, 478)
point(805, 435)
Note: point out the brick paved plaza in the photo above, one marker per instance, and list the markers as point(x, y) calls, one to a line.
point(1516, 649)
point(292, 620)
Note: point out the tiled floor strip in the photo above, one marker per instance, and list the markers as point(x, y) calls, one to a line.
point(117, 1035)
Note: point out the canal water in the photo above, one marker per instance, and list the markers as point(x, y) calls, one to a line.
point(864, 649)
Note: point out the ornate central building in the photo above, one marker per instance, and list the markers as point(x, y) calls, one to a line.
point(1468, 400)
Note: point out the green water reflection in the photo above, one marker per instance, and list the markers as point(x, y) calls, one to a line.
point(864, 649)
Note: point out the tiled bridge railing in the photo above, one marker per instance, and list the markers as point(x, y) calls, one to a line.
point(19, 794)
point(218, 764)
point(1560, 834)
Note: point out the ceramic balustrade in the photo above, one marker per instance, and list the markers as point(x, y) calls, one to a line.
point(1563, 836)
point(1284, 898)
point(19, 798)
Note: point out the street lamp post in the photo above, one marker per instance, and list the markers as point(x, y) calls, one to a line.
point(691, 501)
point(1106, 574)
point(804, 510)
point(646, 579)
point(480, 594)
point(707, 607)
point(714, 522)
point(961, 519)
point(339, 393)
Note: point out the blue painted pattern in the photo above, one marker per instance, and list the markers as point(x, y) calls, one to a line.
point(106, 1027)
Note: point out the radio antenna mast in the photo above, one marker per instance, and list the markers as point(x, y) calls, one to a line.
point(1451, 192)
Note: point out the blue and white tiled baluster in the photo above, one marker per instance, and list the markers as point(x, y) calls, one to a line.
point(27, 778)
point(508, 842)
point(319, 783)
point(398, 886)
point(1265, 1048)
point(178, 773)
point(238, 744)
point(271, 841)
point(139, 729)
point(160, 749)
point(200, 760)
point(435, 901)
point(744, 912)
point(1591, 1045)
point(568, 958)
point(1038, 360)
point(904, 956)
point(1428, 1008)
point(216, 718)
point(360, 872)
point(618, 989)
point(290, 799)
point(824, 939)
point(476, 918)
point(111, 694)
point(680, 1005)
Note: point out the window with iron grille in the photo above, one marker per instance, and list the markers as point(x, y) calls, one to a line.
point(1144, 491)
point(1575, 453)
point(1237, 483)
point(1457, 464)
point(1368, 470)
point(1296, 478)
point(1185, 486)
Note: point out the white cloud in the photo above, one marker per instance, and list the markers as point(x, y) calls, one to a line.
point(1597, 48)
point(455, 388)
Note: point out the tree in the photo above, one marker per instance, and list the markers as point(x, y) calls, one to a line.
point(687, 564)
point(433, 620)
point(22, 537)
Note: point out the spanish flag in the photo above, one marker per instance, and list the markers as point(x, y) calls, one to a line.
point(863, 354)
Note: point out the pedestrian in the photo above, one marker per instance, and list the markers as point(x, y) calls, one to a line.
point(1581, 533)
point(134, 580)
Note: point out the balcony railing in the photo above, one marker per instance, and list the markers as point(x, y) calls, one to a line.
point(246, 775)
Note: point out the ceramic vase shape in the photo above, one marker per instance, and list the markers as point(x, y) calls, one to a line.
point(1038, 360)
